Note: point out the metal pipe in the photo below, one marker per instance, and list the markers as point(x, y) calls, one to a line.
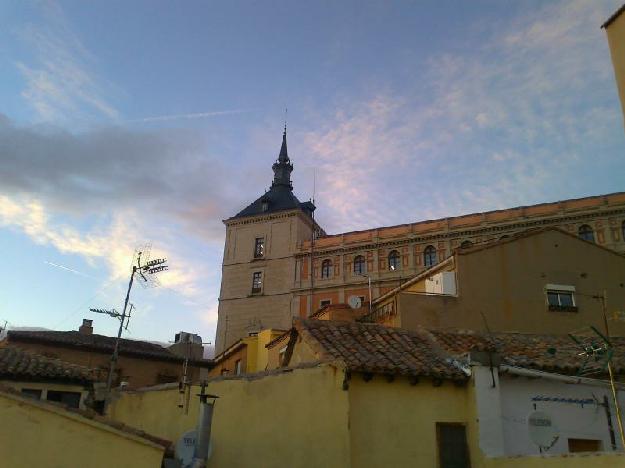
point(202, 445)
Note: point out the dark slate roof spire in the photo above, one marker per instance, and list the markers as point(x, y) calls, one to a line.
point(282, 168)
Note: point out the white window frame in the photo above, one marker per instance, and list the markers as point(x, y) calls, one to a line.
point(560, 288)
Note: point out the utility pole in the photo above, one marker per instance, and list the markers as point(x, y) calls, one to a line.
point(604, 304)
point(145, 275)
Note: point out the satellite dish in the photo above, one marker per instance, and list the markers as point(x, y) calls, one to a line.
point(185, 447)
point(354, 302)
point(542, 430)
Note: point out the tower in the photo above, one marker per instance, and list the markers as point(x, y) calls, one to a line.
point(258, 262)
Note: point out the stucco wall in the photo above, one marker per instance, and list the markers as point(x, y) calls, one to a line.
point(507, 283)
point(616, 40)
point(573, 420)
point(33, 436)
point(394, 423)
point(296, 419)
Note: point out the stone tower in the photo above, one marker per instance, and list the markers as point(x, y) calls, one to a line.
point(259, 264)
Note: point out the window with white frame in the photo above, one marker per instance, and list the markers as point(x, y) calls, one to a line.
point(561, 297)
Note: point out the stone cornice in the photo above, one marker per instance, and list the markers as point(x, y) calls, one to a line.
point(448, 234)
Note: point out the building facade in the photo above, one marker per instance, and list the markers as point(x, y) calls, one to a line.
point(615, 30)
point(273, 270)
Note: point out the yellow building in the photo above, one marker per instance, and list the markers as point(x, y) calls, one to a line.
point(615, 30)
point(246, 356)
point(40, 434)
point(358, 395)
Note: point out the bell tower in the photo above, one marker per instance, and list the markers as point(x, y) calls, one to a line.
point(259, 264)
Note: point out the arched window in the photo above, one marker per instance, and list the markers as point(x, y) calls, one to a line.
point(393, 260)
point(466, 244)
point(326, 268)
point(585, 232)
point(359, 265)
point(429, 256)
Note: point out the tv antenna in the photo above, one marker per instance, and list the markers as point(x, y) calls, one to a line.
point(145, 270)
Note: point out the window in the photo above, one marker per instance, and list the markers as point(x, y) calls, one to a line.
point(623, 231)
point(71, 399)
point(237, 367)
point(259, 247)
point(561, 297)
point(32, 393)
point(257, 282)
point(324, 302)
point(282, 356)
point(452, 445)
point(359, 265)
point(585, 232)
point(429, 256)
point(466, 244)
point(393, 260)
point(326, 267)
point(584, 445)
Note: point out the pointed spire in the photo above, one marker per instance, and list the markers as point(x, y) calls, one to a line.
point(282, 167)
point(284, 154)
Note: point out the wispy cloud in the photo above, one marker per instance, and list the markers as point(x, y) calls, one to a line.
point(197, 115)
point(510, 122)
point(60, 81)
point(68, 269)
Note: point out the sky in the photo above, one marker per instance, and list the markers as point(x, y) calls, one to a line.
point(149, 122)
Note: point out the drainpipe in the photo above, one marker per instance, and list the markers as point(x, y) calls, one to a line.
point(200, 456)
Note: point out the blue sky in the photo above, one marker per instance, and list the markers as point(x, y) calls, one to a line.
point(128, 122)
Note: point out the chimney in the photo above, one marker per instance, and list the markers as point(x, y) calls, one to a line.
point(86, 328)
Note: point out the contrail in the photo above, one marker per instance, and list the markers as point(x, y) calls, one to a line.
point(197, 115)
point(68, 269)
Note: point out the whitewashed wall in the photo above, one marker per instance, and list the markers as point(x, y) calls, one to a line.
point(572, 420)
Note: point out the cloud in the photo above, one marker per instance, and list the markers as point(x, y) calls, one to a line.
point(507, 123)
point(197, 115)
point(60, 80)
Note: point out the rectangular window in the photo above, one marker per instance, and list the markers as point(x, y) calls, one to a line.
point(561, 297)
point(584, 445)
point(257, 282)
point(259, 247)
point(71, 399)
point(452, 445)
point(325, 302)
point(32, 393)
point(237, 367)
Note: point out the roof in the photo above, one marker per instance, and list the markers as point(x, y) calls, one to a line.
point(279, 198)
point(18, 364)
point(89, 417)
point(613, 17)
point(94, 342)
point(372, 348)
point(528, 350)
point(377, 349)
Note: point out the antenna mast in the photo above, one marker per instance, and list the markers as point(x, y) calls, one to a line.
point(145, 276)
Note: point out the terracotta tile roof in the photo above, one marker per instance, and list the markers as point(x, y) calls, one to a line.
point(365, 347)
point(530, 351)
point(94, 342)
point(18, 364)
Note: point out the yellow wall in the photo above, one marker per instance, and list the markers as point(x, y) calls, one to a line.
point(394, 423)
point(45, 386)
point(616, 40)
point(296, 418)
point(39, 435)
